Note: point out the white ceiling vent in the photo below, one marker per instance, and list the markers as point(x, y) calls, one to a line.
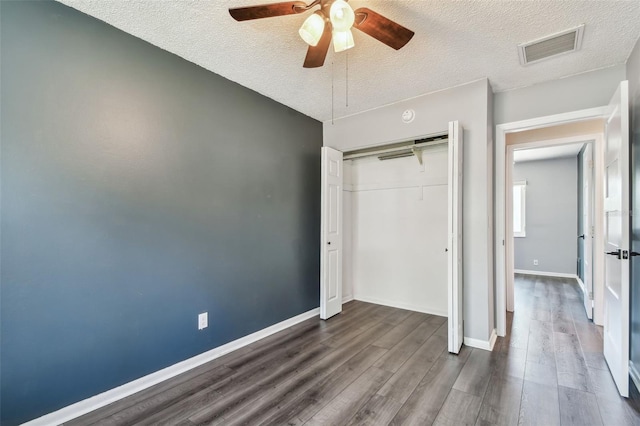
point(553, 45)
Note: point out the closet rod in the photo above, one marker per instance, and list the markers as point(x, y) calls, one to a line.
point(396, 151)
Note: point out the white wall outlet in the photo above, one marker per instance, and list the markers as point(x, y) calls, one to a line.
point(535, 262)
point(203, 320)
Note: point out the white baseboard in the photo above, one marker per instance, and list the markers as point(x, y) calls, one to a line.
point(546, 274)
point(486, 345)
point(93, 403)
point(581, 284)
point(401, 305)
point(635, 374)
point(347, 298)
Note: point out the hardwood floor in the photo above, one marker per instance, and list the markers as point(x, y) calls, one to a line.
point(377, 365)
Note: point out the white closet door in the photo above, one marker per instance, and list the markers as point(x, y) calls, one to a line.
point(616, 236)
point(331, 234)
point(454, 249)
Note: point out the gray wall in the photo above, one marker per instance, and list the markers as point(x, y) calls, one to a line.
point(551, 215)
point(633, 75)
point(582, 91)
point(138, 190)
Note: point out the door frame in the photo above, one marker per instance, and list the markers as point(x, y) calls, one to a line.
point(455, 200)
point(503, 209)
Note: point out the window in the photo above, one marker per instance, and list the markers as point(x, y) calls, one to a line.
point(519, 197)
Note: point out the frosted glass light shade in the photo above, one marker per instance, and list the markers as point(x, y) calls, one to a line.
point(341, 15)
point(312, 29)
point(342, 40)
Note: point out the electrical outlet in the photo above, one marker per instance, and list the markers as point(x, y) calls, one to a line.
point(535, 262)
point(203, 320)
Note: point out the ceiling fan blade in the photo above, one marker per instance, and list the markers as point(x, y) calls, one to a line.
point(268, 10)
point(317, 54)
point(381, 28)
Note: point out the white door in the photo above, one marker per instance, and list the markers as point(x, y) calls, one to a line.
point(331, 234)
point(587, 225)
point(454, 249)
point(616, 239)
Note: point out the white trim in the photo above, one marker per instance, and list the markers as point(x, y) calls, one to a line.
point(93, 403)
point(581, 284)
point(486, 345)
point(635, 374)
point(501, 237)
point(401, 305)
point(546, 274)
point(347, 298)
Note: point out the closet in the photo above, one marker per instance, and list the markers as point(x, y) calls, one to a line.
point(391, 228)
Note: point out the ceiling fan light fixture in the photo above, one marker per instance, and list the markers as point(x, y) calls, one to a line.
point(341, 15)
point(342, 40)
point(312, 29)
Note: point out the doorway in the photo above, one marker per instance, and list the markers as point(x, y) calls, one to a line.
point(611, 224)
point(406, 212)
point(552, 207)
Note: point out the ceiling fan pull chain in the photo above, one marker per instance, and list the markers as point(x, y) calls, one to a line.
point(332, 84)
point(347, 86)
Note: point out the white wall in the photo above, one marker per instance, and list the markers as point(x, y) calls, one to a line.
point(588, 90)
point(399, 231)
point(471, 105)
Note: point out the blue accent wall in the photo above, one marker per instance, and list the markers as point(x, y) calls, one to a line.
point(138, 190)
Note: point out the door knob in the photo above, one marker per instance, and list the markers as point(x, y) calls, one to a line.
point(617, 253)
point(581, 236)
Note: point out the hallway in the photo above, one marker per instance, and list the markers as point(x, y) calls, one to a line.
point(558, 352)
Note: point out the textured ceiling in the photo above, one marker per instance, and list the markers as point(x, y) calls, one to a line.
point(455, 42)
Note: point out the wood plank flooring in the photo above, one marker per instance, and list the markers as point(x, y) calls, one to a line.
point(375, 365)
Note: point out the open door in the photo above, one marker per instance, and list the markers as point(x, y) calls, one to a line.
point(331, 234)
point(454, 249)
point(616, 239)
point(587, 225)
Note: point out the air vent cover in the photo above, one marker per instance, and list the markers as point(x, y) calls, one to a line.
point(553, 45)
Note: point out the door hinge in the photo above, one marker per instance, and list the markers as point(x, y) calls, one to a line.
point(591, 296)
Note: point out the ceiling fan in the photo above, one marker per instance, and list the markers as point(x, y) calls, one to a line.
point(332, 22)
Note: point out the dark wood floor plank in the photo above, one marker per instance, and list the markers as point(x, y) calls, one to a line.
point(400, 386)
point(539, 405)
point(544, 374)
point(401, 331)
point(459, 409)
point(379, 410)
point(235, 397)
point(425, 402)
point(340, 409)
point(475, 375)
point(404, 349)
point(281, 394)
point(501, 402)
point(311, 401)
point(578, 407)
point(148, 407)
point(509, 362)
